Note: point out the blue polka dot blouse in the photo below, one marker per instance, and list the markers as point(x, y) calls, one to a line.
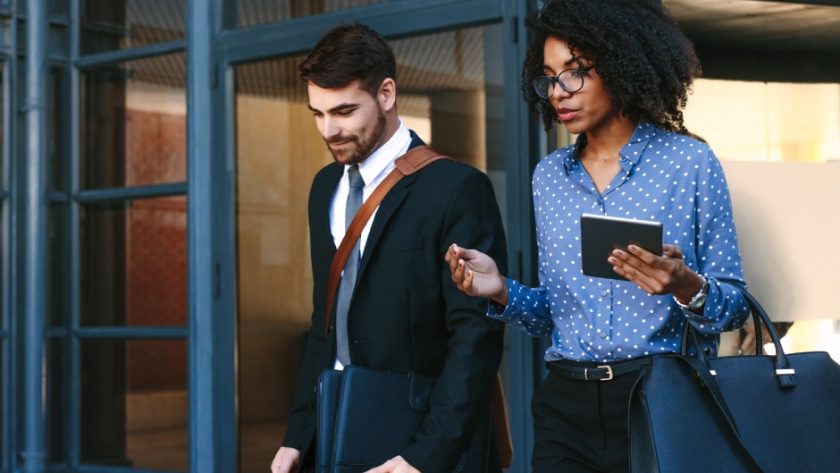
point(664, 176)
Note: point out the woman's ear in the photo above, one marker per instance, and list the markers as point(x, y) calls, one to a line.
point(387, 95)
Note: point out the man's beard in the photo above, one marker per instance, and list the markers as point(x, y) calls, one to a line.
point(359, 147)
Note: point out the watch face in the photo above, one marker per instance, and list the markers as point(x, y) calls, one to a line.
point(698, 301)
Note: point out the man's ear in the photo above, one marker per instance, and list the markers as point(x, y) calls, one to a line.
point(387, 94)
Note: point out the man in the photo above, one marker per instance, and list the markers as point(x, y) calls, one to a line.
point(405, 313)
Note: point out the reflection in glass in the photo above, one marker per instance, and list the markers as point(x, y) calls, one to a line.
point(57, 7)
point(802, 336)
point(255, 12)
point(450, 93)
point(134, 123)
point(134, 263)
point(279, 152)
point(58, 303)
point(134, 403)
point(108, 25)
point(2, 124)
point(57, 397)
point(3, 188)
point(3, 389)
point(56, 144)
point(767, 121)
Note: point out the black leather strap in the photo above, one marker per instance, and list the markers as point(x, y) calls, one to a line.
point(593, 372)
point(700, 368)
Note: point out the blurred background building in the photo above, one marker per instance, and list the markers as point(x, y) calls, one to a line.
point(156, 160)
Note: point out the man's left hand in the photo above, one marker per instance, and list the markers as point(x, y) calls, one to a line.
point(394, 465)
point(666, 274)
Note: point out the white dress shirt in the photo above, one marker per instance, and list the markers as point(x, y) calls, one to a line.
point(374, 169)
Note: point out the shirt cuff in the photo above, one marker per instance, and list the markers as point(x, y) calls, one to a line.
point(517, 293)
point(710, 318)
point(499, 311)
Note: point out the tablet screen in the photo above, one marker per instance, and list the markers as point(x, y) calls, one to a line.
point(601, 234)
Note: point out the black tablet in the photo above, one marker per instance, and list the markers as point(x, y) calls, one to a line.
point(601, 234)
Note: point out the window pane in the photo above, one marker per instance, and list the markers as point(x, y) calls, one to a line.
point(5, 285)
point(802, 336)
point(767, 121)
point(58, 7)
point(4, 388)
point(771, 111)
point(255, 12)
point(56, 143)
point(57, 399)
point(134, 263)
point(450, 94)
point(134, 123)
point(134, 403)
point(108, 25)
point(274, 274)
point(2, 125)
point(59, 300)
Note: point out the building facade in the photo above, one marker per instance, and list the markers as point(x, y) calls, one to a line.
point(156, 162)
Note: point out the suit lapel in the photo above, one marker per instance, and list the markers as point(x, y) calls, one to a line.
point(389, 205)
point(321, 201)
point(386, 210)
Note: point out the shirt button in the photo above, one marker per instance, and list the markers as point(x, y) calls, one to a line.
point(605, 292)
point(604, 335)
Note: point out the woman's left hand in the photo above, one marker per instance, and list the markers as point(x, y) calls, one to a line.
point(666, 274)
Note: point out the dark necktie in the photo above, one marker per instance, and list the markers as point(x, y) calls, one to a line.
point(348, 278)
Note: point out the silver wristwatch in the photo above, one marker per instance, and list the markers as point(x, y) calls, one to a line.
point(698, 300)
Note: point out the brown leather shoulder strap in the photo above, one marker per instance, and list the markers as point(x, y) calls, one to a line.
point(414, 160)
point(501, 422)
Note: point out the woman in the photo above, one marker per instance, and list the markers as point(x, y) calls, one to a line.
point(617, 73)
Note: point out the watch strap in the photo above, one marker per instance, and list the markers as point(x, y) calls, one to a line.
point(697, 300)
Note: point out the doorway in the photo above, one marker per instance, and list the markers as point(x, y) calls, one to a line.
point(450, 92)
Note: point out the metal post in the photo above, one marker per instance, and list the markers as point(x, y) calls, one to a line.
point(521, 149)
point(202, 270)
point(35, 227)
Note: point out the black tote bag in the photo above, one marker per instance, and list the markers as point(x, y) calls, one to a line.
point(765, 413)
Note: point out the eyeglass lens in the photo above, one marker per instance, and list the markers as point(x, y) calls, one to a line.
point(570, 80)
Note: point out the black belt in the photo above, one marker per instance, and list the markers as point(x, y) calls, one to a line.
point(585, 371)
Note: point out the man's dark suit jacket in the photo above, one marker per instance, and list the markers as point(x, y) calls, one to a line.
point(406, 313)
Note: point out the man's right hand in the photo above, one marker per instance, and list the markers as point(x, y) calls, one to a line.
point(476, 274)
point(286, 460)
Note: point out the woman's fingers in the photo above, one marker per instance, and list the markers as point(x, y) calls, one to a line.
point(672, 251)
point(452, 257)
point(458, 272)
point(466, 285)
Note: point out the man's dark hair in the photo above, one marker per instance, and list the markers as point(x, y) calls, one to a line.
point(348, 53)
point(645, 61)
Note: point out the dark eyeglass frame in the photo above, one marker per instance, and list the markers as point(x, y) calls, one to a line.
point(555, 80)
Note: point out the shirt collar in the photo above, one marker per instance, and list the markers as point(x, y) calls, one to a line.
point(629, 154)
point(385, 155)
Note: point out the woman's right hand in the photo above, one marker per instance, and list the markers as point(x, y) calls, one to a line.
point(476, 274)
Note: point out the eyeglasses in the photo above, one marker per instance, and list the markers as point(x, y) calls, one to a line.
point(570, 80)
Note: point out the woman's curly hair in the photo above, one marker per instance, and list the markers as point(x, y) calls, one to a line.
point(645, 61)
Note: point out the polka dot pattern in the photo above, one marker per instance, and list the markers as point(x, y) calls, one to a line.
point(665, 177)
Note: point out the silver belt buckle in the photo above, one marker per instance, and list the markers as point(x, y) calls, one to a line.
point(609, 372)
point(606, 367)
